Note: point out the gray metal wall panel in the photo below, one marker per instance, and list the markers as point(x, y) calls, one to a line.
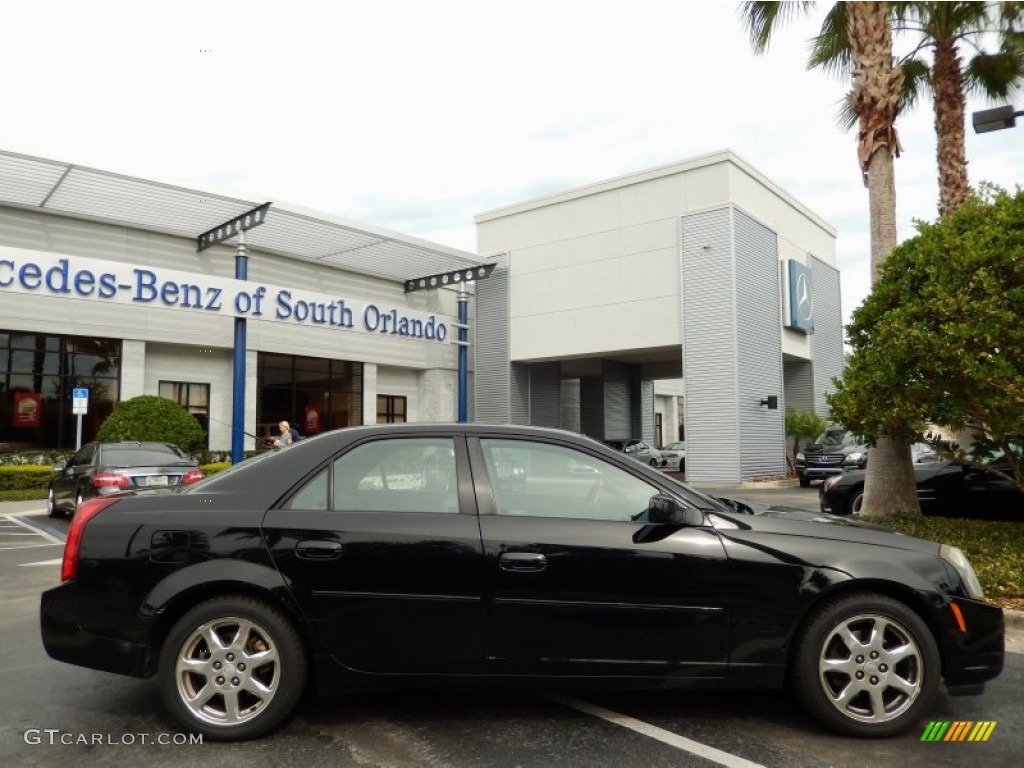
point(618, 401)
point(569, 395)
point(827, 341)
point(545, 395)
point(492, 380)
point(709, 347)
point(759, 340)
point(799, 385)
point(643, 421)
point(519, 393)
point(592, 407)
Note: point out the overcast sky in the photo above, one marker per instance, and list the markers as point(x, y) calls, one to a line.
point(417, 115)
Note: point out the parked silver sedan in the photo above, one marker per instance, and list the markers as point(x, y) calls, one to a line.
point(674, 455)
point(639, 450)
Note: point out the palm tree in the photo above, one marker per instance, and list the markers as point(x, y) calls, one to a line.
point(889, 485)
point(946, 30)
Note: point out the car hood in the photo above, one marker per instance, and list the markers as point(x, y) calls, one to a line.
point(789, 521)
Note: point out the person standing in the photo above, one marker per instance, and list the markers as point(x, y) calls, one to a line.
point(285, 439)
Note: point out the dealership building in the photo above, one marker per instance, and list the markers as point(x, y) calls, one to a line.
point(699, 288)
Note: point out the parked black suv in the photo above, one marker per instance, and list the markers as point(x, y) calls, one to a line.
point(836, 450)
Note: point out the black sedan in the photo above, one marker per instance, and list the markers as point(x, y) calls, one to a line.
point(434, 554)
point(98, 469)
point(944, 488)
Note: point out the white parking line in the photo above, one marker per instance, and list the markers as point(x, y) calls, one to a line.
point(58, 561)
point(654, 732)
point(26, 529)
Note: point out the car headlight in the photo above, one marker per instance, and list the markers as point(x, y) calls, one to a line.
point(800, 456)
point(853, 459)
point(958, 560)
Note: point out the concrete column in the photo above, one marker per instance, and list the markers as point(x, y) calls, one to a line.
point(133, 369)
point(369, 393)
point(435, 396)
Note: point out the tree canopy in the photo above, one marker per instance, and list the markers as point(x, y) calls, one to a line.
point(148, 417)
point(940, 340)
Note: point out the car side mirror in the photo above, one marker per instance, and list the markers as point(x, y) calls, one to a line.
point(59, 466)
point(664, 509)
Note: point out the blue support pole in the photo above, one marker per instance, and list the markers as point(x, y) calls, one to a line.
point(238, 378)
point(463, 354)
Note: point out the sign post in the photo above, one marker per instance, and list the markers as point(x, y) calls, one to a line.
point(79, 407)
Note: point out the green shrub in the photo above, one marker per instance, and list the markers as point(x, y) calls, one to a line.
point(26, 494)
point(148, 417)
point(995, 549)
point(47, 457)
point(23, 478)
point(215, 467)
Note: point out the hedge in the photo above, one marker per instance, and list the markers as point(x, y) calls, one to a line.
point(24, 478)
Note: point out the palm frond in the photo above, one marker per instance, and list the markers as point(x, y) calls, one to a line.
point(762, 18)
point(996, 75)
point(830, 48)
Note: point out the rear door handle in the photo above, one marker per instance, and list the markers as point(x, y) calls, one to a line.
point(318, 550)
point(522, 561)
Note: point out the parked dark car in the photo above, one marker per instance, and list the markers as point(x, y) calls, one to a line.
point(104, 468)
point(639, 450)
point(838, 450)
point(944, 489)
point(510, 556)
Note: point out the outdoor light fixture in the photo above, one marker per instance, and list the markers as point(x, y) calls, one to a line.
point(447, 279)
point(995, 119)
point(457, 279)
point(771, 402)
point(237, 226)
point(221, 232)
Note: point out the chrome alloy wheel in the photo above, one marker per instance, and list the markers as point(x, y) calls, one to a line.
point(871, 669)
point(227, 671)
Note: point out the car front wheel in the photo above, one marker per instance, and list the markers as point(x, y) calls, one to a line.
point(856, 501)
point(805, 482)
point(232, 668)
point(51, 504)
point(866, 665)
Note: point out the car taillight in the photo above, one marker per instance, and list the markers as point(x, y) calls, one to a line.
point(192, 477)
point(110, 480)
point(85, 513)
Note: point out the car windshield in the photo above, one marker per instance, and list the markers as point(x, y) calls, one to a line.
point(675, 447)
point(140, 456)
point(618, 445)
point(837, 436)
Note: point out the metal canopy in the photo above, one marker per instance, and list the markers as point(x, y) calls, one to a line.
point(87, 193)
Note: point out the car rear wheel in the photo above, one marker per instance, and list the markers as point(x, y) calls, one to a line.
point(856, 502)
point(653, 463)
point(79, 500)
point(232, 668)
point(51, 505)
point(866, 665)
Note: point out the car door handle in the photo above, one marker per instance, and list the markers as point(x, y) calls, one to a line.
point(318, 550)
point(522, 561)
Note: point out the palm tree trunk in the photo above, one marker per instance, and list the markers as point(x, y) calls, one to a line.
point(949, 127)
point(889, 484)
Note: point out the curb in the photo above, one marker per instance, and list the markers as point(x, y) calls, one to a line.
point(787, 483)
point(1013, 619)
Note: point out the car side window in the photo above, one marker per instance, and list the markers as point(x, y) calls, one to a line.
point(313, 495)
point(543, 480)
point(83, 457)
point(397, 475)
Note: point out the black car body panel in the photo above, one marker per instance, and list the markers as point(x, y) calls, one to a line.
point(944, 489)
point(479, 579)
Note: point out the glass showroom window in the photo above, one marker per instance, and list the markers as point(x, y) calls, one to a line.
point(194, 398)
point(391, 409)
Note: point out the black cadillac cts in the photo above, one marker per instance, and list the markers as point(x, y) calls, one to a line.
point(383, 555)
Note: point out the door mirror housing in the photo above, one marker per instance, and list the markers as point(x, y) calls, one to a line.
point(59, 466)
point(665, 509)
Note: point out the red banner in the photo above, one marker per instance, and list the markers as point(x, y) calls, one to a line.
point(27, 407)
point(311, 424)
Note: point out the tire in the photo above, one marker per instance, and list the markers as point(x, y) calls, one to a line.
point(853, 635)
point(79, 500)
point(855, 502)
point(51, 505)
point(804, 482)
point(264, 693)
point(652, 463)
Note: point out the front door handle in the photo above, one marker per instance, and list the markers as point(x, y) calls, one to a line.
point(522, 561)
point(318, 550)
